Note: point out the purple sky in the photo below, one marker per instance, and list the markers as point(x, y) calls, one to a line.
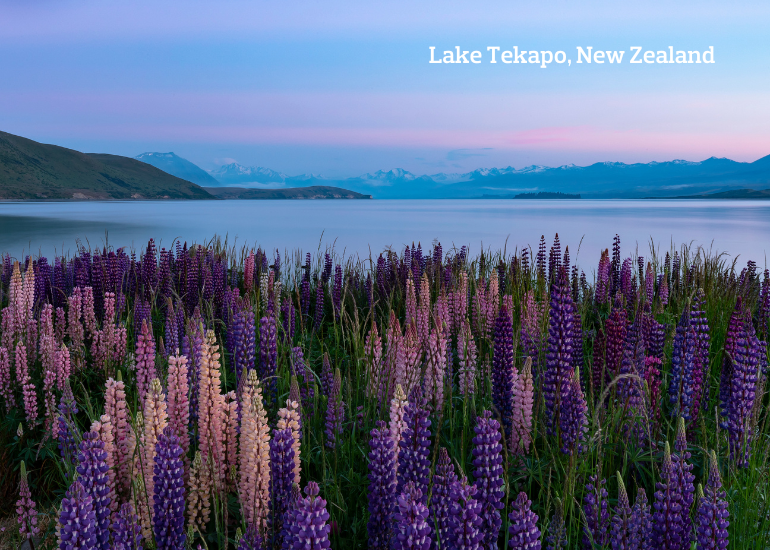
point(342, 88)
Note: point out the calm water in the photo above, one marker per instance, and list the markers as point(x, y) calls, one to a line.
point(736, 227)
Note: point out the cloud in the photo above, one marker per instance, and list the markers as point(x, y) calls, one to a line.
point(462, 154)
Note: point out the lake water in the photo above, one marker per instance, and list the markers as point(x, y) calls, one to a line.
point(735, 227)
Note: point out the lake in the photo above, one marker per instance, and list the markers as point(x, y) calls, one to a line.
point(356, 227)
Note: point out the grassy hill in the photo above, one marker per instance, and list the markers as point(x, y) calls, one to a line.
point(312, 192)
point(32, 170)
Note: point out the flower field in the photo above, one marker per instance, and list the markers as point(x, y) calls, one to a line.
point(210, 397)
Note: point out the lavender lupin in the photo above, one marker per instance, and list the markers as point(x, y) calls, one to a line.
point(168, 501)
point(502, 369)
point(595, 532)
point(712, 517)
point(77, 520)
point(382, 486)
point(411, 521)
point(559, 352)
point(414, 447)
point(464, 523)
point(126, 530)
point(488, 471)
point(443, 481)
point(523, 531)
point(92, 474)
point(309, 528)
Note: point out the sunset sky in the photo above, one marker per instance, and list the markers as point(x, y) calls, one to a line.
point(345, 87)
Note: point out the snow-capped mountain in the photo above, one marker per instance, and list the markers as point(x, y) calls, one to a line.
point(236, 174)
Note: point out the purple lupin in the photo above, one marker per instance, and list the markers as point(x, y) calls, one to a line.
point(668, 530)
point(464, 523)
point(558, 366)
point(502, 369)
point(126, 529)
point(595, 532)
point(523, 531)
point(93, 476)
point(77, 521)
point(488, 471)
point(414, 447)
point(411, 521)
point(443, 480)
point(309, 528)
point(168, 502)
point(382, 486)
point(712, 517)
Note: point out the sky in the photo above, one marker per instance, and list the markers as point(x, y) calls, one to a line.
point(340, 88)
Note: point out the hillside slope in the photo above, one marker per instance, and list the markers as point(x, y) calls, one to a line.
point(179, 167)
point(32, 170)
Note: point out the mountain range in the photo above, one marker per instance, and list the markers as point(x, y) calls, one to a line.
point(600, 180)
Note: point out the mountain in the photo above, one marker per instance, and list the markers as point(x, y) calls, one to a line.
point(312, 192)
point(600, 180)
point(179, 167)
point(235, 174)
point(32, 170)
point(733, 194)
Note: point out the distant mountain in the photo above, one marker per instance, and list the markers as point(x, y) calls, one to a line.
point(179, 167)
point(733, 194)
point(599, 180)
point(32, 170)
point(312, 192)
point(235, 174)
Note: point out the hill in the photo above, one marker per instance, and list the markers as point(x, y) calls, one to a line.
point(32, 170)
point(312, 192)
point(732, 194)
point(179, 167)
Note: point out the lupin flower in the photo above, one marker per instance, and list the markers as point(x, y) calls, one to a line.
point(682, 385)
point(668, 527)
point(557, 530)
point(93, 475)
point(397, 410)
point(126, 533)
point(335, 412)
point(268, 355)
point(488, 471)
point(373, 358)
point(434, 369)
point(559, 352)
point(382, 486)
point(441, 498)
point(6, 390)
point(309, 528)
point(145, 360)
point(503, 371)
point(685, 479)
point(254, 457)
point(155, 416)
point(77, 520)
point(26, 512)
point(414, 448)
point(27, 386)
point(411, 521)
point(116, 408)
point(573, 421)
point(711, 519)
point(178, 402)
point(463, 531)
point(595, 531)
point(466, 353)
point(641, 523)
point(288, 417)
point(168, 501)
point(105, 431)
point(64, 432)
point(622, 526)
point(319, 303)
point(523, 530)
point(523, 400)
point(281, 475)
point(411, 303)
point(211, 410)
point(337, 291)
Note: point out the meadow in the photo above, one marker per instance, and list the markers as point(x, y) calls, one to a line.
point(213, 397)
